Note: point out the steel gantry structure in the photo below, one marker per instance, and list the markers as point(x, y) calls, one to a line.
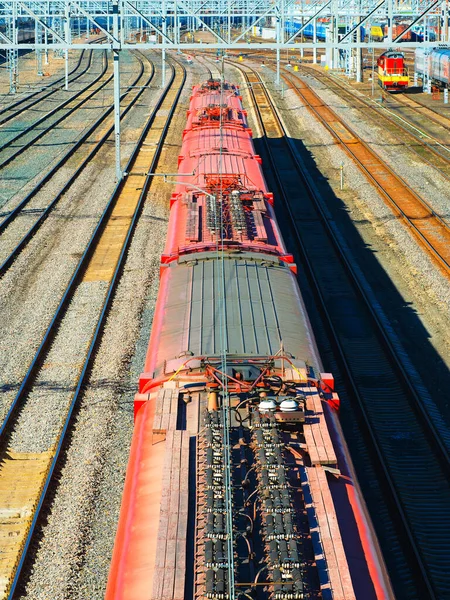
point(242, 25)
point(160, 24)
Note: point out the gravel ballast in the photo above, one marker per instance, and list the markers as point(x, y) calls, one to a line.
point(31, 290)
point(90, 68)
point(34, 208)
point(29, 80)
point(423, 178)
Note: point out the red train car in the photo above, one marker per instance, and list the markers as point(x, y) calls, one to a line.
point(392, 71)
point(398, 30)
point(224, 163)
point(238, 470)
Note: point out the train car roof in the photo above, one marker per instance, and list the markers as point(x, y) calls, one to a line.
point(264, 310)
point(433, 51)
point(442, 51)
point(392, 54)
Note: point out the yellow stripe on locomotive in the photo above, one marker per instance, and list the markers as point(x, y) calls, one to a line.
point(389, 82)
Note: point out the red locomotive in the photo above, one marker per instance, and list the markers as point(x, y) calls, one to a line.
point(238, 469)
point(392, 71)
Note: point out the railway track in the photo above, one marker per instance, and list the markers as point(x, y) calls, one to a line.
point(68, 108)
point(81, 153)
point(429, 228)
point(26, 472)
point(31, 100)
point(401, 430)
point(427, 141)
point(431, 144)
point(423, 110)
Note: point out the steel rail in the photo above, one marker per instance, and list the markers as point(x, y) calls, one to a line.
point(28, 128)
point(388, 115)
point(51, 113)
point(433, 224)
point(436, 445)
point(9, 260)
point(423, 412)
point(76, 278)
point(391, 117)
point(421, 133)
point(50, 87)
point(63, 303)
point(409, 102)
point(11, 215)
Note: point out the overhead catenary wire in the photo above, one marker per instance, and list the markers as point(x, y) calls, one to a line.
point(226, 409)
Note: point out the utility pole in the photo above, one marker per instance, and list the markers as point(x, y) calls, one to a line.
point(444, 35)
point(38, 39)
point(359, 50)
point(278, 49)
point(373, 70)
point(13, 54)
point(163, 51)
point(46, 46)
point(116, 55)
point(389, 20)
point(67, 38)
point(314, 40)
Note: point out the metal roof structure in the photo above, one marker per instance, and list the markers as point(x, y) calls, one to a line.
point(232, 23)
point(255, 326)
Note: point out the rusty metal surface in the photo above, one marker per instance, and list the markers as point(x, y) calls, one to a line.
point(431, 231)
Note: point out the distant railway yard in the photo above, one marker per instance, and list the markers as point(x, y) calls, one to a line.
point(361, 186)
